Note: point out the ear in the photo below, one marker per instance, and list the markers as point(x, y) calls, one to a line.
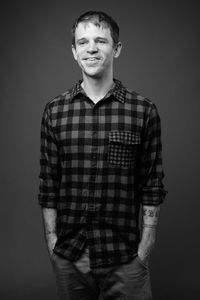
point(117, 49)
point(74, 52)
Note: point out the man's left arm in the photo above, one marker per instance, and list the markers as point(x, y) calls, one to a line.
point(152, 191)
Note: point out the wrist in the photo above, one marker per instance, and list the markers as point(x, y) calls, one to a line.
point(51, 241)
point(147, 241)
point(144, 249)
point(146, 244)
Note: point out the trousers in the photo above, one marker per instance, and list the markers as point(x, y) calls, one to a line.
point(76, 281)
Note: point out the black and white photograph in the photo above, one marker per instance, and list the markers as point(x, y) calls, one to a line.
point(100, 150)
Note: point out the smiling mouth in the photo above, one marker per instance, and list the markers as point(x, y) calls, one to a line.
point(92, 58)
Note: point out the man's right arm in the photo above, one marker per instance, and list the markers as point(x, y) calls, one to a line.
point(49, 221)
point(50, 176)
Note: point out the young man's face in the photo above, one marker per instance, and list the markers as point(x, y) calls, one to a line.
point(94, 50)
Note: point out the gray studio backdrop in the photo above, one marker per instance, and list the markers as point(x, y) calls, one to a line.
point(160, 60)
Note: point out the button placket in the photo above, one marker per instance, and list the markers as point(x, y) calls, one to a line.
point(94, 156)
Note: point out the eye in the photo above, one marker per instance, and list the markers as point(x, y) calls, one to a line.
point(101, 41)
point(81, 43)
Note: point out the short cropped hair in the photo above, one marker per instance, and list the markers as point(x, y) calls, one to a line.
point(100, 19)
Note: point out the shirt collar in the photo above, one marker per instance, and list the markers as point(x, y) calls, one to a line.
point(118, 91)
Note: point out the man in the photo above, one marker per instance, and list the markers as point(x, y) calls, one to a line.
point(100, 162)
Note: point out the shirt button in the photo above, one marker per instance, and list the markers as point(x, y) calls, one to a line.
point(85, 193)
point(94, 133)
point(94, 156)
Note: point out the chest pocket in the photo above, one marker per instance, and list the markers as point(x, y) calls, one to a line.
point(122, 148)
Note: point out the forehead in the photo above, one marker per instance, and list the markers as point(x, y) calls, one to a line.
point(88, 29)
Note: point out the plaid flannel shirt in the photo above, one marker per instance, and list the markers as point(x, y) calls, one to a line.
point(99, 162)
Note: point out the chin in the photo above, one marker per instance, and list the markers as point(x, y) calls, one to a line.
point(93, 74)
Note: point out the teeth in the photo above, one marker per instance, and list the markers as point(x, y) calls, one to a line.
point(91, 59)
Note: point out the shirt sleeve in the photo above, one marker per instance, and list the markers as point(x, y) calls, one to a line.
point(151, 186)
point(49, 163)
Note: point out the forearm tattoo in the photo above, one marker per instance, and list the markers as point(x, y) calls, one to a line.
point(150, 213)
point(150, 216)
point(149, 225)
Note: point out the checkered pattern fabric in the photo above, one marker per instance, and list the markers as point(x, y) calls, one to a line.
point(122, 148)
point(99, 162)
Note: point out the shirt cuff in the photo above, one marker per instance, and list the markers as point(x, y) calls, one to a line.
point(153, 196)
point(47, 201)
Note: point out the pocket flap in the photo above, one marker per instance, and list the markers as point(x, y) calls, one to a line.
point(124, 137)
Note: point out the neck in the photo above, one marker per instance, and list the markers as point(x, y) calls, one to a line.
point(97, 88)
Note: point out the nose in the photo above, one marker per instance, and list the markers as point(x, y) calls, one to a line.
point(92, 48)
